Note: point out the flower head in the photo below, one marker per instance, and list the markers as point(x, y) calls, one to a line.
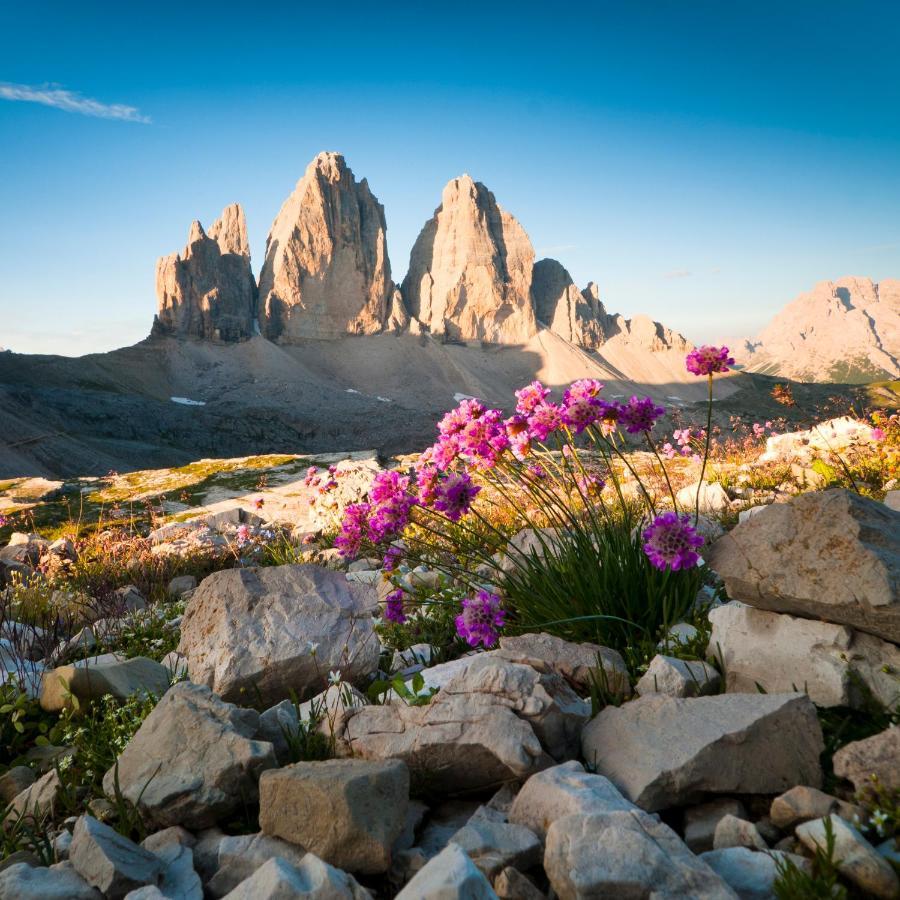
point(243, 535)
point(544, 419)
point(529, 397)
point(353, 526)
point(393, 607)
point(583, 389)
point(391, 558)
point(259, 503)
point(671, 542)
point(457, 419)
point(454, 495)
point(707, 360)
point(480, 620)
point(637, 416)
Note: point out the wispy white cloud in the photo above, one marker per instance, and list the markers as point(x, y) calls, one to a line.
point(70, 101)
point(678, 273)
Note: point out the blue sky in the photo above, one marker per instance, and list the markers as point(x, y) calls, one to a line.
point(704, 162)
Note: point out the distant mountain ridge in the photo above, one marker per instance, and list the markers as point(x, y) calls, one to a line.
point(845, 331)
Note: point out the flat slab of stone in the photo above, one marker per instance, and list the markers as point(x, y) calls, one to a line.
point(88, 680)
point(662, 751)
point(60, 882)
point(878, 755)
point(349, 812)
point(831, 555)
point(678, 678)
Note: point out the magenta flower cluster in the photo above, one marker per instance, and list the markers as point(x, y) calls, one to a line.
point(394, 610)
point(481, 620)
point(639, 415)
point(708, 360)
point(454, 495)
point(671, 542)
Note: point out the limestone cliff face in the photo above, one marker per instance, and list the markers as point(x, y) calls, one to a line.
point(208, 290)
point(844, 331)
point(326, 271)
point(470, 270)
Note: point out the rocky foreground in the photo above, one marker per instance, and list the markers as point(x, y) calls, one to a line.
point(267, 767)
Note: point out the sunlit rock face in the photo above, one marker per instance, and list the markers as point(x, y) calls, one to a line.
point(470, 270)
point(326, 271)
point(208, 291)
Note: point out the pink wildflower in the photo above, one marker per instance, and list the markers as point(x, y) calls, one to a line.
point(671, 542)
point(707, 360)
point(481, 619)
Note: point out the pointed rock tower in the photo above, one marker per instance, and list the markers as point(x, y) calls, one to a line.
point(326, 271)
point(208, 290)
point(577, 316)
point(470, 270)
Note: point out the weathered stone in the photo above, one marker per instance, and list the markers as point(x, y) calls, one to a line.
point(713, 498)
point(208, 291)
point(562, 791)
point(14, 781)
point(832, 555)
point(877, 755)
point(174, 834)
point(110, 862)
point(750, 874)
point(129, 599)
point(38, 799)
point(470, 270)
point(511, 884)
point(311, 879)
point(347, 811)
point(700, 822)
point(577, 663)
point(250, 631)
point(625, 854)
point(178, 880)
point(226, 861)
point(451, 875)
point(801, 803)
point(678, 678)
point(856, 859)
point(662, 751)
point(192, 760)
point(87, 680)
point(834, 664)
point(181, 584)
point(326, 271)
point(494, 845)
point(24, 882)
point(732, 831)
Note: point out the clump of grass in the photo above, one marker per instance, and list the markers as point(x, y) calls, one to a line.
point(793, 883)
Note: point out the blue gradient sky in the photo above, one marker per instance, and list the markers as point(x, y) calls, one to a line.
point(703, 162)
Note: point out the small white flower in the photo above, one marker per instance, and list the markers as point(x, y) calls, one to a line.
point(311, 648)
point(334, 676)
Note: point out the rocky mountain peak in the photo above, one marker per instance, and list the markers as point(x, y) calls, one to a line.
point(470, 269)
point(326, 271)
point(208, 291)
point(846, 330)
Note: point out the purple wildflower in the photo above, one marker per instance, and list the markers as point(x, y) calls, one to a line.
point(393, 607)
point(530, 397)
point(581, 390)
point(707, 360)
point(544, 419)
point(392, 558)
point(671, 541)
point(481, 619)
point(457, 419)
point(352, 530)
point(579, 412)
point(536, 470)
point(454, 496)
point(243, 535)
point(639, 415)
point(4, 521)
point(484, 440)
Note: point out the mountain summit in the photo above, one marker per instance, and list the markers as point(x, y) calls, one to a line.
point(843, 331)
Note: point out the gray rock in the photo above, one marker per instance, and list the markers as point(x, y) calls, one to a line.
point(876, 755)
point(349, 812)
point(110, 862)
point(662, 751)
point(732, 831)
point(511, 884)
point(700, 822)
point(89, 680)
point(250, 632)
point(178, 881)
point(678, 678)
point(24, 882)
point(562, 791)
point(450, 875)
point(831, 555)
point(493, 846)
point(801, 803)
point(834, 664)
point(624, 854)
point(579, 664)
point(175, 834)
point(750, 874)
point(38, 799)
point(181, 584)
point(231, 859)
point(310, 879)
point(193, 760)
point(713, 498)
point(856, 859)
point(14, 781)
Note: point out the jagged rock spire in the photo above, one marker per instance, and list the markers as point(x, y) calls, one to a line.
point(208, 290)
point(326, 271)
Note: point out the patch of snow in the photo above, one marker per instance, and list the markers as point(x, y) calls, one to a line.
point(184, 401)
point(351, 391)
point(384, 399)
point(460, 397)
